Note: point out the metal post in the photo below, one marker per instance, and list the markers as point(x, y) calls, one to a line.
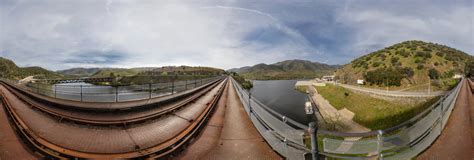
point(441, 116)
point(314, 140)
point(195, 83)
point(55, 90)
point(379, 143)
point(116, 93)
point(172, 87)
point(81, 93)
point(149, 88)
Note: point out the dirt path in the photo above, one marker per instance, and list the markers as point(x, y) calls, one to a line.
point(234, 133)
point(455, 141)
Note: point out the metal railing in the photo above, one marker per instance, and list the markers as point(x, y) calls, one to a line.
point(404, 141)
point(93, 93)
point(283, 134)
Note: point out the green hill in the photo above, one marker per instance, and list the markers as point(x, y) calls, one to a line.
point(184, 72)
point(79, 72)
point(8, 69)
point(289, 69)
point(406, 64)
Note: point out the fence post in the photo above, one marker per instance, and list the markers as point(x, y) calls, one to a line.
point(250, 107)
point(314, 140)
point(195, 83)
point(55, 90)
point(116, 93)
point(149, 88)
point(441, 116)
point(172, 87)
point(379, 143)
point(81, 93)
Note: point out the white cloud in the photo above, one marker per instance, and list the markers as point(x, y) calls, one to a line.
point(144, 33)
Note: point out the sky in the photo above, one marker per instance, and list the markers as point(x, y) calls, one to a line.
point(61, 34)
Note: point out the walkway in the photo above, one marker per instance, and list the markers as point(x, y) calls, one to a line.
point(455, 141)
point(229, 134)
point(11, 146)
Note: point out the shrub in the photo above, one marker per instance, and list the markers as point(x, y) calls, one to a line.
point(420, 66)
point(394, 60)
point(384, 76)
point(376, 64)
point(433, 73)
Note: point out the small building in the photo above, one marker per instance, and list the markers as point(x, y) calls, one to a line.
point(457, 76)
point(329, 78)
point(360, 81)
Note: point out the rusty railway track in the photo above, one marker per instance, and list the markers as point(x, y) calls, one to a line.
point(52, 150)
point(66, 115)
point(107, 106)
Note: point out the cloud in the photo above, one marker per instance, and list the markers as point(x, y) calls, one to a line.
point(57, 34)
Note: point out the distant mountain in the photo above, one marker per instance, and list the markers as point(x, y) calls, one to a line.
point(404, 64)
point(289, 69)
point(8, 69)
point(81, 72)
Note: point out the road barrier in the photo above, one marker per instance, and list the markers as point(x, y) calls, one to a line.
point(404, 141)
point(93, 93)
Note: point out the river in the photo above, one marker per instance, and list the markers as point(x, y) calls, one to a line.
point(281, 96)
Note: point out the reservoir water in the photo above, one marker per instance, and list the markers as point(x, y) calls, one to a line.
point(281, 96)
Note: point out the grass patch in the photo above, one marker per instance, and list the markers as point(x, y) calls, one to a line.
point(302, 89)
point(371, 112)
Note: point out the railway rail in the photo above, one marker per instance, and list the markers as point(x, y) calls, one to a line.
point(153, 138)
point(109, 118)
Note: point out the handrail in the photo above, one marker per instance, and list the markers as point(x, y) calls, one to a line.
point(423, 126)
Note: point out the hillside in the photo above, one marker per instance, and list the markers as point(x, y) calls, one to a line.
point(408, 63)
point(80, 72)
point(289, 69)
point(184, 72)
point(8, 69)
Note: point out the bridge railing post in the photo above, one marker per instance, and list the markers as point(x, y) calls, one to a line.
point(149, 89)
point(441, 113)
point(172, 87)
point(116, 94)
point(81, 93)
point(379, 143)
point(314, 140)
point(55, 90)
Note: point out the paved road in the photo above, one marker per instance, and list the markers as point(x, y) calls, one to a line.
point(230, 135)
point(392, 93)
point(455, 142)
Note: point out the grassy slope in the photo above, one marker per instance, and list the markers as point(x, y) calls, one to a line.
point(371, 112)
point(8, 69)
point(290, 69)
point(443, 59)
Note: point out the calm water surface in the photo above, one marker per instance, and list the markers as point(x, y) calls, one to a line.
point(281, 96)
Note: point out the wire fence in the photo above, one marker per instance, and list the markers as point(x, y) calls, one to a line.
point(94, 93)
point(405, 141)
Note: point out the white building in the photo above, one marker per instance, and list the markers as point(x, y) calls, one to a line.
point(360, 81)
point(456, 76)
point(329, 78)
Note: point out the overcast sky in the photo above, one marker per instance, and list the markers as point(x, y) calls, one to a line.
point(59, 34)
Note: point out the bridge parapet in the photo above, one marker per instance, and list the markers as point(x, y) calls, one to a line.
point(404, 141)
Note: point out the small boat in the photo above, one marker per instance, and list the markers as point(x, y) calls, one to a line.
point(308, 107)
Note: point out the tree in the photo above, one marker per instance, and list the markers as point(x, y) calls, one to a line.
point(433, 73)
